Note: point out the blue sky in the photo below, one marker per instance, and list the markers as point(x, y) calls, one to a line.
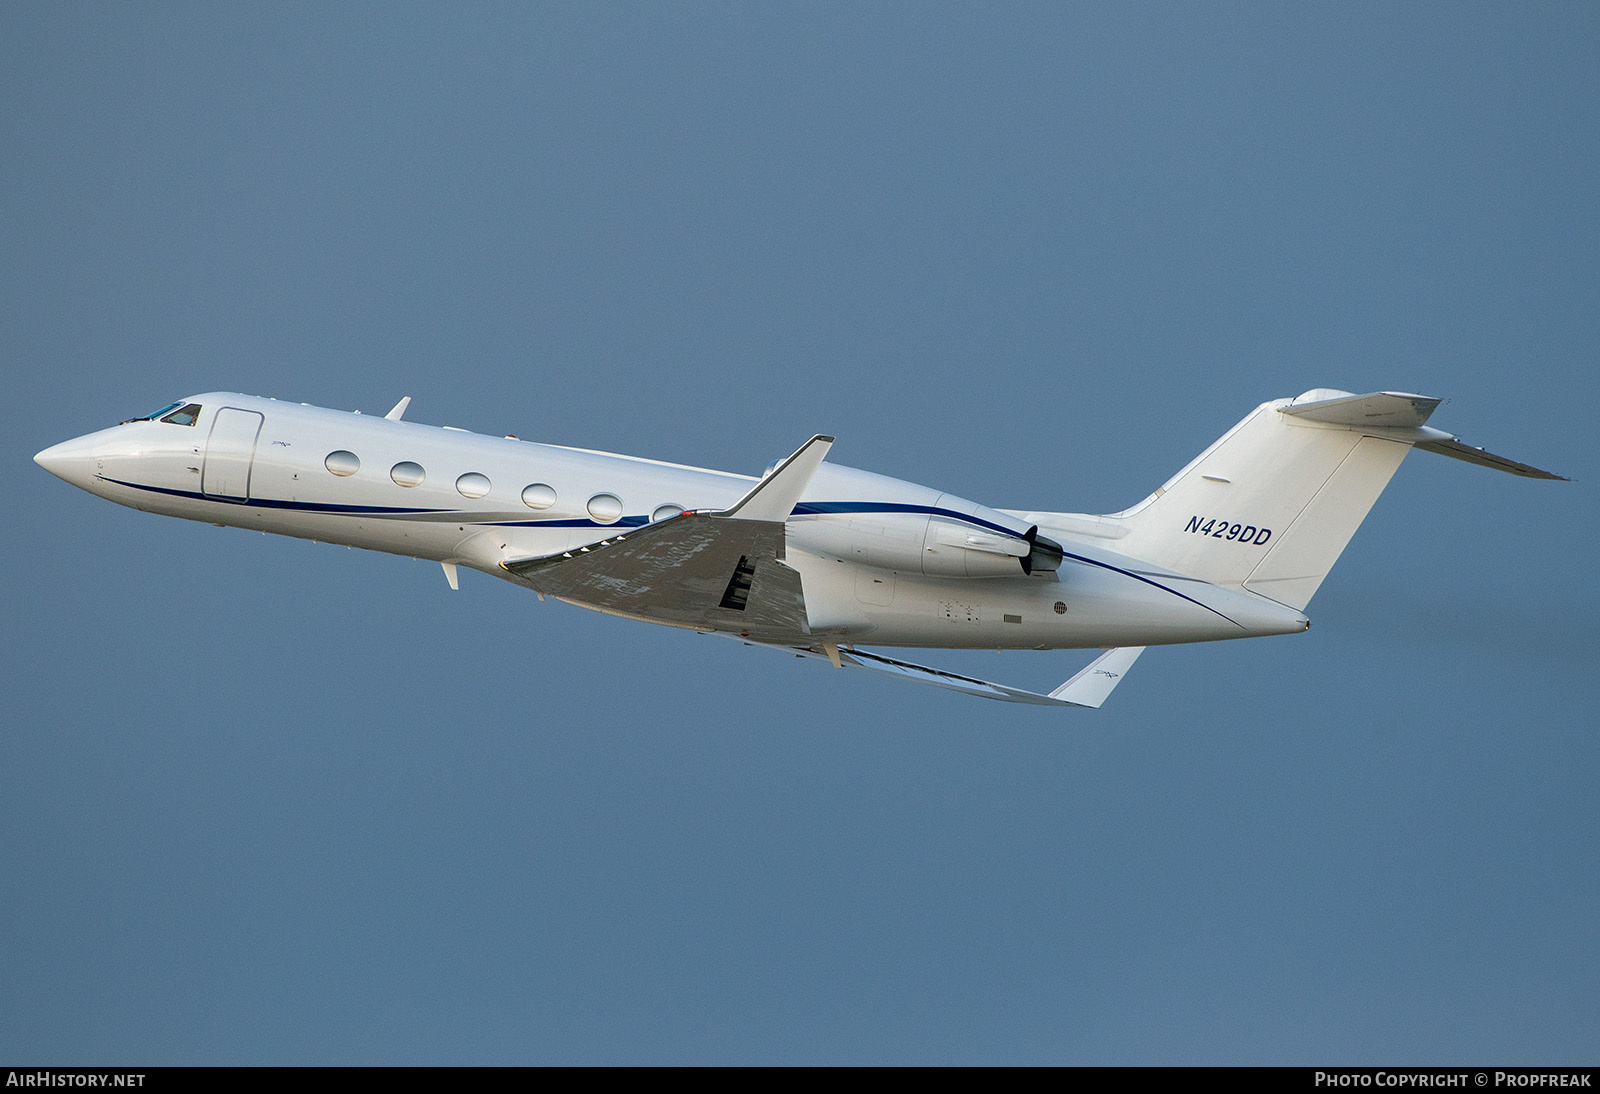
point(269, 801)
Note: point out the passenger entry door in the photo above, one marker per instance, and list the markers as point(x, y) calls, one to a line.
point(230, 450)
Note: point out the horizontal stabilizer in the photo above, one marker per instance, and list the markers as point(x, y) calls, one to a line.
point(1087, 689)
point(1458, 451)
point(1391, 409)
point(1398, 416)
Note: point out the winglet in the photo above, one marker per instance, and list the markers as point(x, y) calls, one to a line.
point(1093, 685)
point(398, 409)
point(775, 496)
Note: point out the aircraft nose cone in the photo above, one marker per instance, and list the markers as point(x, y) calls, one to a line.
point(72, 461)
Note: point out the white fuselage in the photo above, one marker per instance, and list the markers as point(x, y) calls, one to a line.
point(882, 561)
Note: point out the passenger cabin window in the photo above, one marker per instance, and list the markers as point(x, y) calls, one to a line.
point(605, 508)
point(407, 473)
point(538, 496)
point(186, 416)
point(342, 463)
point(473, 485)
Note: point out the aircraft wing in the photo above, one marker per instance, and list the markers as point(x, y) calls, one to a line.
point(1089, 688)
point(719, 570)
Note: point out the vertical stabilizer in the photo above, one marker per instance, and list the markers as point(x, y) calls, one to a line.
point(1270, 505)
point(1306, 550)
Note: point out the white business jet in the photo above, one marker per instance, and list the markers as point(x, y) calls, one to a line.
point(811, 557)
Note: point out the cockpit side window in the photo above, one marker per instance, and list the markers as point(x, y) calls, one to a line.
point(185, 416)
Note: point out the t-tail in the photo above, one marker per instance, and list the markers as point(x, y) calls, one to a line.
point(1270, 506)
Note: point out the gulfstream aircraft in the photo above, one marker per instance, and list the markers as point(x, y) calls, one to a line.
point(810, 557)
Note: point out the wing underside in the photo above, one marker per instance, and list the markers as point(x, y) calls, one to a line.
point(694, 570)
point(724, 572)
point(717, 570)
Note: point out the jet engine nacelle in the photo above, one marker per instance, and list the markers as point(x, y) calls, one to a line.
point(957, 549)
point(958, 538)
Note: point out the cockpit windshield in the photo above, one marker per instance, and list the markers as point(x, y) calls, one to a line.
point(176, 413)
point(152, 417)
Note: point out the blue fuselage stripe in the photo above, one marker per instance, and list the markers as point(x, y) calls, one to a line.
point(841, 508)
point(807, 508)
point(1147, 581)
point(271, 503)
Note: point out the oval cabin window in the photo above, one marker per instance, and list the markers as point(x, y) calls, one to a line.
point(342, 463)
point(538, 496)
point(605, 508)
point(473, 485)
